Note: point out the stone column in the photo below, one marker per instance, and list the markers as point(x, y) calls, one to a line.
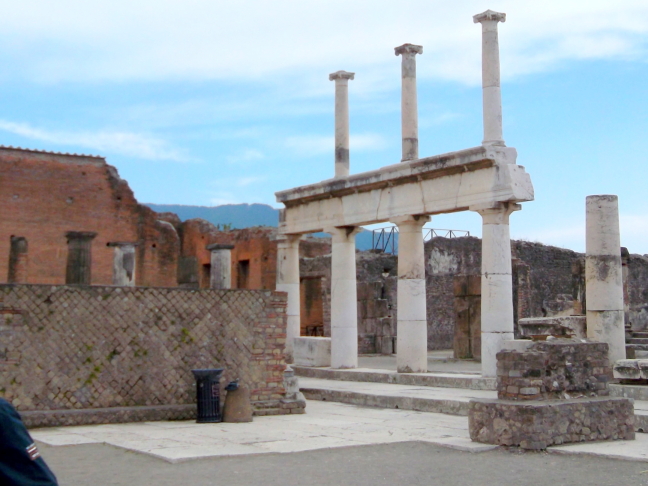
point(409, 105)
point(492, 96)
point(288, 281)
point(220, 276)
point(497, 323)
point(341, 79)
point(344, 298)
point(603, 275)
point(123, 263)
point(18, 260)
point(411, 344)
point(79, 260)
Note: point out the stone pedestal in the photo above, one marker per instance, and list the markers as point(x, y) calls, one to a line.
point(312, 351)
point(220, 276)
point(604, 275)
point(288, 281)
point(237, 407)
point(344, 300)
point(411, 352)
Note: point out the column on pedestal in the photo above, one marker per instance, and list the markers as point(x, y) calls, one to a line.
point(123, 263)
point(288, 281)
point(78, 270)
point(492, 96)
point(342, 162)
point(497, 324)
point(344, 298)
point(220, 275)
point(409, 102)
point(603, 275)
point(411, 344)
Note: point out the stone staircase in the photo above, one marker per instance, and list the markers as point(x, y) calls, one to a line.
point(637, 341)
point(447, 393)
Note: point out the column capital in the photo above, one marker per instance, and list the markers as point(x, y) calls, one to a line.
point(289, 240)
point(343, 231)
point(408, 49)
point(496, 213)
point(80, 235)
point(121, 244)
point(489, 15)
point(341, 75)
point(418, 220)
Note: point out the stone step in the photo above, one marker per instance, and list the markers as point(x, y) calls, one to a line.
point(638, 347)
point(369, 375)
point(640, 335)
point(450, 401)
point(638, 341)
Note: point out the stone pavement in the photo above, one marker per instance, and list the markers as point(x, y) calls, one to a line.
point(324, 426)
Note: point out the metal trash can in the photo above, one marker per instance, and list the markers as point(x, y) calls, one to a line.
point(208, 395)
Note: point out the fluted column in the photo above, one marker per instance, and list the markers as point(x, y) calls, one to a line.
point(497, 324)
point(603, 275)
point(492, 96)
point(344, 299)
point(220, 276)
point(411, 344)
point(409, 103)
point(79, 260)
point(342, 162)
point(288, 281)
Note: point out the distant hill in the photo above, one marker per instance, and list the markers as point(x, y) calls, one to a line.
point(237, 215)
point(241, 216)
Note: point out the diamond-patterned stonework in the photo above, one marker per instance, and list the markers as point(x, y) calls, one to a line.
point(79, 348)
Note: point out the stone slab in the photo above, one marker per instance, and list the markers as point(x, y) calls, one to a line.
point(554, 326)
point(312, 351)
point(538, 424)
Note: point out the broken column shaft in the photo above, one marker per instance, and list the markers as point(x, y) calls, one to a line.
point(220, 276)
point(78, 270)
point(492, 96)
point(342, 163)
point(409, 108)
point(123, 263)
point(288, 281)
point(411, 352)
point(603, 275)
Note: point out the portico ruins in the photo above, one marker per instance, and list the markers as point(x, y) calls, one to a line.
point(485, 179)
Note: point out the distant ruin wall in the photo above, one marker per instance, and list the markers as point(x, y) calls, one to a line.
point(74, 349)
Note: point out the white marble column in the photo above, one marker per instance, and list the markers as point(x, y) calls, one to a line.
point(344, 299)
point(409, 105)
point(492, 96)
point(220, 275)
point(411, 344)
point(123, 263)
point(341, 79)
point(497, 324)
point(288, 281)
point(603, 275)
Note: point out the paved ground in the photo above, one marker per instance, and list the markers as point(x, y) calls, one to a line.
point(439, 361)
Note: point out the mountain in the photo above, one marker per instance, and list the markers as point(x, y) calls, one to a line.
point(236, 215)
point(241, 216)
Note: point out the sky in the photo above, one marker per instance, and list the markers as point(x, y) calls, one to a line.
point(208, 102)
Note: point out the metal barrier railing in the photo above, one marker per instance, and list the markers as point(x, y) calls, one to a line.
point(386, 239)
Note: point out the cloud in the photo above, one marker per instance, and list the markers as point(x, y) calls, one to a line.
point(124, 143)
point(306, 145)
point(244, 157)
point(282, 41)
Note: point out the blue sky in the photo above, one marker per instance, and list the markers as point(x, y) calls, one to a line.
point(212, 102)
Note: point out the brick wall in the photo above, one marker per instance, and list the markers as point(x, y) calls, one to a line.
point(74, 348)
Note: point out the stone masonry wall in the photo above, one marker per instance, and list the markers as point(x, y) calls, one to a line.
point(76, 348)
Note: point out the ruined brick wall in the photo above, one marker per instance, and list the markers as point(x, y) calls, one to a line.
point(77, 348)
point(47, 194)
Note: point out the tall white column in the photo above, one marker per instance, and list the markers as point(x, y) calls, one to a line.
point(341, 79)
point(288, 281)
point(411, 344)
point(409, 104)
point(344, 299)
point(220, 276)
point(492, 96)
point(497, 324)
point(603, 275)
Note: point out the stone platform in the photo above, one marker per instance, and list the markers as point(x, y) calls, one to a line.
point(537, 424)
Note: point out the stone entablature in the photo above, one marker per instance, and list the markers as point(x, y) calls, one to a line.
point(431, 185)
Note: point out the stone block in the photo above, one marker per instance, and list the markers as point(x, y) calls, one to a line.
point(540, 424)
point(312, 351)
point(575, 326)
